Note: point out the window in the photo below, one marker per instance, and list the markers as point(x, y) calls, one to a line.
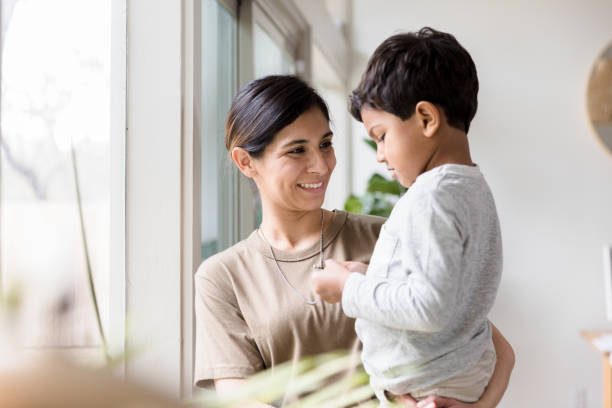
point(56, 101)
point(270, 57)
point(332, 89)
point(219, 77)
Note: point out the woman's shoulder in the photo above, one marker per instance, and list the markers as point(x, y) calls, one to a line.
point(217, 267)
point(358, 236)
point(359, 223)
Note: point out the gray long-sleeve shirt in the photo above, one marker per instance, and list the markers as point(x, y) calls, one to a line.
point(422, 306)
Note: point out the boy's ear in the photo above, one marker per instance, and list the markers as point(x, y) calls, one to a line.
point(429, 117)
point(244, 161)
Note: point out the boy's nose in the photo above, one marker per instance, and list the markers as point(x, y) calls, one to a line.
point(380, 156)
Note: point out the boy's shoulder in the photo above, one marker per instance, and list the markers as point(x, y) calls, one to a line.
point(450, 188)
point(450, 181)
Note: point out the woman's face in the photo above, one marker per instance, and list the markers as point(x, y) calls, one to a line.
point(294, 170)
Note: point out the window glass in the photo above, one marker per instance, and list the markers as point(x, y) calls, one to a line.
point(219, 76)
point(271, 58)
point(55, 100)
point(332, 89)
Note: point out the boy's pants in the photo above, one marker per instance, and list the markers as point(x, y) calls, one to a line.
point(467, 386)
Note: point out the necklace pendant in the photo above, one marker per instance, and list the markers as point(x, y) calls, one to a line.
point(317, 267)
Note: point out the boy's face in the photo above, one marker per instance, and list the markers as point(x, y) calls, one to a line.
point(401, 144)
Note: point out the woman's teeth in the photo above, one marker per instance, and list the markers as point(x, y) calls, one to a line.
point(311, 185)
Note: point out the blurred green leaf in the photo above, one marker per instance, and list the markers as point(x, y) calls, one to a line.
point(11, 298)
point(378, 183)
point(90, 279)
point(353, 204)
point(370, 143)
point(380, 207)
point(380, 197)
point(332, 380)
point(332, 390)
point(349, 399)
point(315, 378)
point(292, 379)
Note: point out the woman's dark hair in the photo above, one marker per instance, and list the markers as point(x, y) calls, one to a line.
point(428, 65)
point(265, 106)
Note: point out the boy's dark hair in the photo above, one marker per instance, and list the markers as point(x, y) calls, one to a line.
point(428, 65)
point(264, 107)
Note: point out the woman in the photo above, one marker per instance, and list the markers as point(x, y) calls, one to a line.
point(254, 304)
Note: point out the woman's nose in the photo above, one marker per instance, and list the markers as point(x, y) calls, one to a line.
point(318, 164)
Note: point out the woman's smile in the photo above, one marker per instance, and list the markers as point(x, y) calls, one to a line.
point(313, 187)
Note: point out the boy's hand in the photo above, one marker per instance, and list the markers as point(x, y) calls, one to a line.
point(433, 401)
point(356, 266)
point(329, 282)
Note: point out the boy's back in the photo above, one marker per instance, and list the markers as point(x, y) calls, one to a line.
point(443, 242)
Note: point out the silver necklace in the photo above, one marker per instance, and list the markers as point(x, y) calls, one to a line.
point(315, 266)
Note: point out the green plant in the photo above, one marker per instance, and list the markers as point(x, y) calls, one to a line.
point(90, 280)
point(380, 196)
point(332, 380)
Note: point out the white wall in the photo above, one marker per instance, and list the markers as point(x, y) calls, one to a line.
point(154, 160)
point(551, 178)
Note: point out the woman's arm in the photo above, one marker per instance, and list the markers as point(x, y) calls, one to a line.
point(495, 389)
point(503, 368)
point(225, 386)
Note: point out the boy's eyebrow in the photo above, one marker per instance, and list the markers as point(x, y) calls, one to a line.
point(300, 141)
point(372, 128)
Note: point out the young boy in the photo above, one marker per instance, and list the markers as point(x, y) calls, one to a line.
point(422, 306)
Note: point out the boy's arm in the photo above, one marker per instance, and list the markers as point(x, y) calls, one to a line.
point(429, 249)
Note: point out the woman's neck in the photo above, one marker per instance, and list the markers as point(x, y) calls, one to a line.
point(292, 230)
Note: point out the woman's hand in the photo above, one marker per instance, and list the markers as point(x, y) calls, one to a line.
point(329, 282)
point(406, 401)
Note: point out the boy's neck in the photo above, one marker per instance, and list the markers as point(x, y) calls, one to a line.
point(452, 147)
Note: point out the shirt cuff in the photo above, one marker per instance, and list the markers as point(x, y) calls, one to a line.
point(349, 294)
point(205, 375)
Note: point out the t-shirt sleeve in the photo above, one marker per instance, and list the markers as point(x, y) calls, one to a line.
point(224, 346)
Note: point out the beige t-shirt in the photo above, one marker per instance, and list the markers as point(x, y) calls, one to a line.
point(249, 319)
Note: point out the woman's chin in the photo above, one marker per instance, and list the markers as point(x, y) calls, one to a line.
point(314, 203)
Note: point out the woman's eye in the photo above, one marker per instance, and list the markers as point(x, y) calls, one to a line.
point(326, 144)
point(297, 150)
point(381, 138)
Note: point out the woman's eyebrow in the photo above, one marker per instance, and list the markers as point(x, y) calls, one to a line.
point(301, 141)
point(293, 142)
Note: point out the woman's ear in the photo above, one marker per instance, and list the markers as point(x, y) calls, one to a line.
point(429, 117)
point(244, 161)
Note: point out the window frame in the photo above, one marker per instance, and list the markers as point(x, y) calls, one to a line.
point(118, 128)
point(164, 119)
